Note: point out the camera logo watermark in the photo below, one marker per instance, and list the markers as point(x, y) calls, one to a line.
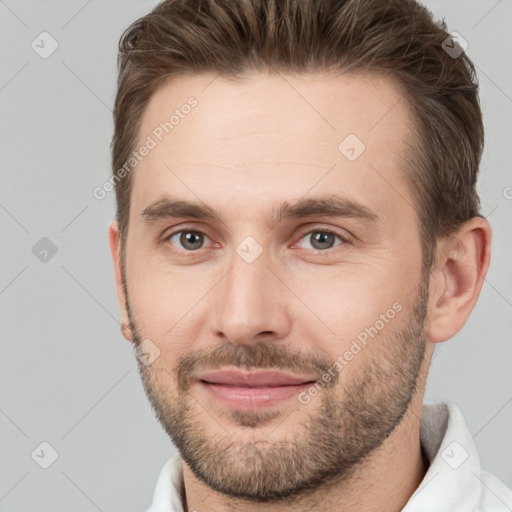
point(44, 250)
point(351, 147)
point(147, 352)
point(249, 249)
point(454, 45)
point(44, 45)
point(44, 455)
point(455, 455)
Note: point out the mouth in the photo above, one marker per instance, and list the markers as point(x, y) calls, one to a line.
point(252, 390)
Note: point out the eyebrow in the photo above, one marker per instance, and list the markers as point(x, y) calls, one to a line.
point(333, 205)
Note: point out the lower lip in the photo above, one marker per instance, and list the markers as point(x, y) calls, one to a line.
point(252, 398)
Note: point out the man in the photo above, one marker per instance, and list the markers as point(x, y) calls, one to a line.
point(297, 228)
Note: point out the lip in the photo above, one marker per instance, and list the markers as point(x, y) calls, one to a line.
point(255, 379)
point(252, 390)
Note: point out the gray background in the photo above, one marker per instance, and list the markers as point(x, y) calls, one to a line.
point(67, 376)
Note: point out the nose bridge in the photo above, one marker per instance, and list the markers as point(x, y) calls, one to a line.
point(249, 300)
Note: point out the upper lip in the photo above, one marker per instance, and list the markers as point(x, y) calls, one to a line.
point(259, 378)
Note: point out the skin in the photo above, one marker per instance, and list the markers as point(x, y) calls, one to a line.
point(245, 148)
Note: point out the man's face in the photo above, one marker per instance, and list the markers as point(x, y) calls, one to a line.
point(310, 295)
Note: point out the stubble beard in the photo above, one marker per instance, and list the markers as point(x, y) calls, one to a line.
point(341, 430)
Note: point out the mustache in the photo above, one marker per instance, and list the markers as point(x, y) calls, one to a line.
point(249, 357)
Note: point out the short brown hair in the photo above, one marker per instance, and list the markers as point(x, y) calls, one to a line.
point(398, 38)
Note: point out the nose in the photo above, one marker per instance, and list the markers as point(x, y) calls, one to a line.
point(250, 303)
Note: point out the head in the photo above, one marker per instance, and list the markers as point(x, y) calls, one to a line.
point(346, 120)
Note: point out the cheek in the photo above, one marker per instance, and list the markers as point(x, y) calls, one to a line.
point(361, 304)
point(159, 299)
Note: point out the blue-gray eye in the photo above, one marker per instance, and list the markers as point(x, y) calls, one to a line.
point(322, 239)
point(189, 240)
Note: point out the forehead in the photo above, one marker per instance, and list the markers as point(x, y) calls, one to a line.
point(273, 137)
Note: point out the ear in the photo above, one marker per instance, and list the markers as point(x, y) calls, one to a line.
point(115, 246)
point(455, 284)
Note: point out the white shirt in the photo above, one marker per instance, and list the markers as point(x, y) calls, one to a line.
point(454, 481)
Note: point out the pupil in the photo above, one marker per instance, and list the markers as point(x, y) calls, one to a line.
point(188, 238)
point(322, 238)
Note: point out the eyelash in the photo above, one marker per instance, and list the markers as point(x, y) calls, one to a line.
point(316, 229)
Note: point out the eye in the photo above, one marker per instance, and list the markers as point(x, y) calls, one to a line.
point(322, 239)
point(190, 240)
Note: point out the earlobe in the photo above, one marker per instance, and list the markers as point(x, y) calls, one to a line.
point(127, 332)
point(114, 242)
point(456, 283)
